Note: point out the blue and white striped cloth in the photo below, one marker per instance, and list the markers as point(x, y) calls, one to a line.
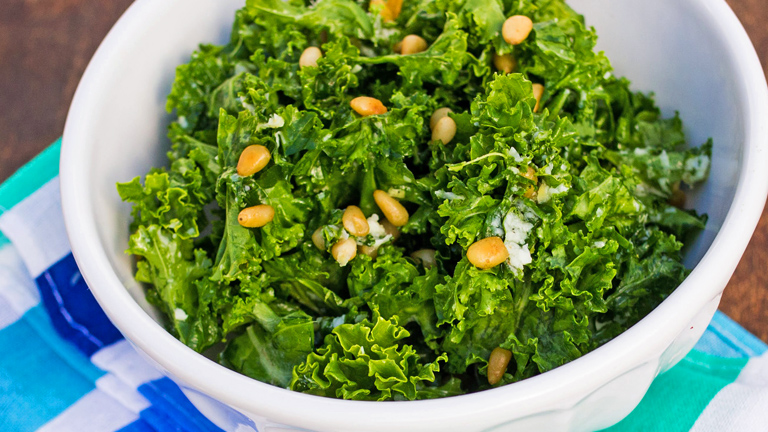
point(65, 368)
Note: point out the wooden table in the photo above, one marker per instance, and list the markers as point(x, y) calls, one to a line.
point(46, 44)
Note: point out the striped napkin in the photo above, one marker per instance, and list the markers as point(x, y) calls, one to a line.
point(65, 368)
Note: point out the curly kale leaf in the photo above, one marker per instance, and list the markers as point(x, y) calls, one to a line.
point(269, 349)
point(369, 361)
point(178, 275)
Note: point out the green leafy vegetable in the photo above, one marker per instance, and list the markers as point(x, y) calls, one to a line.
point(270, 349)
point(582, 191)
point(366, 361)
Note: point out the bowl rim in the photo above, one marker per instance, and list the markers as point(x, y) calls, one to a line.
point(552, 389)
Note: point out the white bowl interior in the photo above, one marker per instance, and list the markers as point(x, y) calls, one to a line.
point(119, 122)
point(132, 120)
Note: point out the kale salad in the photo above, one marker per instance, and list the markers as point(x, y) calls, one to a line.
point(399, 200)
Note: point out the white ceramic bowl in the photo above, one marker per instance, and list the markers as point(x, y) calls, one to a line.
point(693, 53)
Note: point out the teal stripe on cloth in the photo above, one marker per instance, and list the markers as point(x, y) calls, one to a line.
point(4, 240)
point(40, 374)
point(39, 319)
point(677, 397)
point(30, 177)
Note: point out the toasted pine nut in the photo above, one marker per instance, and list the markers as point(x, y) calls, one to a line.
point(426, 256)
point(487, 253)
point(354, 221)
point(504, 63)
point(390, 229)
point(413, 44)
point(366, 106)
point(395, 6)
point(437, 115)
point(445, 130)
point(344, 251)
point(391, 9)
point(530, 174)
point(538, 91)
point(497, 364)
point(398, 48)
point(516, 29)
point(395, 213)
point(309, 57)
point(252, 160)
point(256, 216)
point(318, 239)
point(387, 15)
point(371, 251)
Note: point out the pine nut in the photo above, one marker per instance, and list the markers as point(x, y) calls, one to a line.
point(256, 216)
point(530, 193)
point(445, 130)
point(309, 57)
point(538, 91)
point(516, 29)
point(366, 106)
point(252, 160)
point(497, 364)
point(437, 115)
point(344, 251)
point(371, 251)
point(390, 10)
point(395, 6)
point(530, 174)
point(398, 48)
point(390, 229)
point(318, 239)
point(354, 221)
point(504, 63)
point(426, 256)
point(395, 213)
point(413, 44)
point(487, 253)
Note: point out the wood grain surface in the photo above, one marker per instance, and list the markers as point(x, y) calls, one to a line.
point(45, 46)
